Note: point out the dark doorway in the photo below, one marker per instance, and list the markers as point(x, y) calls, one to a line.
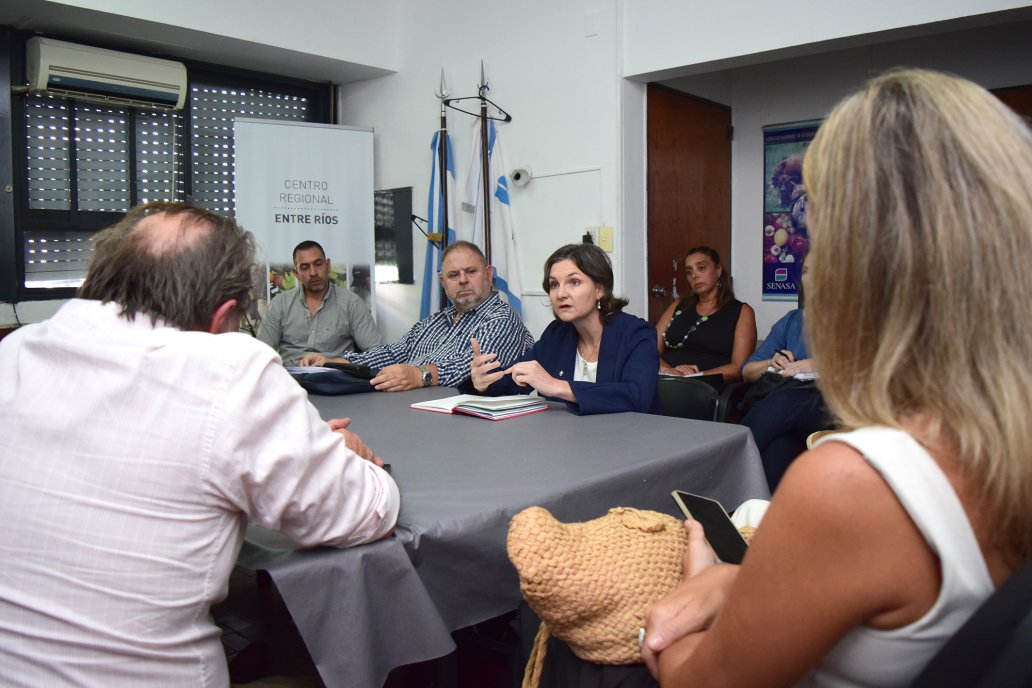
point(689, 186)
point(1018, 98)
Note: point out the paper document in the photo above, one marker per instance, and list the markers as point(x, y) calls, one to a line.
point(802, 377)
point(493, 408)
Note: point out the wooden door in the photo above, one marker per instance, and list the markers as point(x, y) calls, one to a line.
point(1018, 98)
point(689, 186)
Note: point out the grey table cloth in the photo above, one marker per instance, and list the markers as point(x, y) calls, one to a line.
point(365, 610)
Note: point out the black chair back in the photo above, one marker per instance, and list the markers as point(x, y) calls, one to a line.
point(687, 397)
point(992, 647)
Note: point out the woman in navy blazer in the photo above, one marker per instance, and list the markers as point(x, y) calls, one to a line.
point(594, 357)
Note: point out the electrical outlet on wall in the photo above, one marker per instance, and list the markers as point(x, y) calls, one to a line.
point(605, 239)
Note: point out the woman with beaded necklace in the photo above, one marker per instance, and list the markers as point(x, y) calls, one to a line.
point(709, 331)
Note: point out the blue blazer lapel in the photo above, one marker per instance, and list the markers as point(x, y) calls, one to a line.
point(609, 350)
point(566, 352)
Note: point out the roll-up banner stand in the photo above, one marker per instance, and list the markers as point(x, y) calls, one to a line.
point(301, 181)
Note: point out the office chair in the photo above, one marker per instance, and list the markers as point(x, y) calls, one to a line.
point(992, 647)
point(729, 405)
point(687, 397)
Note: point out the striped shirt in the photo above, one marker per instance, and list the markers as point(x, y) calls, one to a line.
point(444, 343)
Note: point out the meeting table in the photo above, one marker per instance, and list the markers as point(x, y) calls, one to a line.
point(365, 610)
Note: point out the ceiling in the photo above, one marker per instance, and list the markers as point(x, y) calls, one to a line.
point(161, 40)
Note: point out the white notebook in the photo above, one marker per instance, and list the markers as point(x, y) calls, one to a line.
point(494, 408)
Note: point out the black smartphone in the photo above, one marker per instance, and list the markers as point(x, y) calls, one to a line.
point(721, 533)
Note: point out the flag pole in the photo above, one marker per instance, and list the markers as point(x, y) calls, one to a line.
point(442, 156)
point(485, 156)
point(485, 162)
point(442, 177)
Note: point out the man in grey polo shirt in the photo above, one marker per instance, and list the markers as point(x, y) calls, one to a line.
point(318, 316)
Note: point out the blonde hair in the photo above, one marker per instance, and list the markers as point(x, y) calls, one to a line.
point(920, 304)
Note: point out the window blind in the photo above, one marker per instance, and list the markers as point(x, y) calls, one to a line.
point(160, 159)
point(92, 162)
point(96, 142)
point(47, 128)
point(102, 158)
point(56, 258)
point(212, 110)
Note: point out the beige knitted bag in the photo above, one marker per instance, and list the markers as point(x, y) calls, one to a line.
point(591, 583)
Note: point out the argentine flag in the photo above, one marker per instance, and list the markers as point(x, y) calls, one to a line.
point(503, 240)
point(431, 302)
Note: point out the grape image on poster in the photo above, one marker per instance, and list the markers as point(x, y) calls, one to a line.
point(786, 238)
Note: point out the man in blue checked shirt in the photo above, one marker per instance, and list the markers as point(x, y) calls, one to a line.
point(437, 350)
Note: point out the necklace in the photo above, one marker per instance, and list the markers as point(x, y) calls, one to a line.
point(584, 352)
point(680, 344)
point(586, 368)
point(589, 351)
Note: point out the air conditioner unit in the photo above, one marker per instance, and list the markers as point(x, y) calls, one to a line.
point(107, 76)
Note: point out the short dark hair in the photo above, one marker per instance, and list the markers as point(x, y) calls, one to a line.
point(304, 246)
point(468, 245)
point(593, 262)
point(181, 282)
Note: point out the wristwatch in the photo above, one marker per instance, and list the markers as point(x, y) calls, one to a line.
point(428, 378)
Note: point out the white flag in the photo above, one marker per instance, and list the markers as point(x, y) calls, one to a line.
point(503, 238)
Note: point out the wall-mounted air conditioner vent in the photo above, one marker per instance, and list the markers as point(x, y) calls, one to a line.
point(108, 76)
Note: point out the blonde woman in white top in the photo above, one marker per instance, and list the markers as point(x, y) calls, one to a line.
point(880, 543)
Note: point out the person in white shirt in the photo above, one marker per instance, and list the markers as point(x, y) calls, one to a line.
point(142, 433)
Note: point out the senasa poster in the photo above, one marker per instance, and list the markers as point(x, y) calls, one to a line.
point(786, 238)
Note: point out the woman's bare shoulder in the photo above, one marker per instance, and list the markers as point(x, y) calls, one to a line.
point(835, 479)
point(850, 510)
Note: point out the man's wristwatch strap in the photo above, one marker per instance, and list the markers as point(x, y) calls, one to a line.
point(428, 378)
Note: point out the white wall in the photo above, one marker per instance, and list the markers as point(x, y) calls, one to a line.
point(807, 88)
point(633, 190)
point(670, 34)
point(560, 86)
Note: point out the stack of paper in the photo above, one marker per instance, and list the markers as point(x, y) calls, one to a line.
point(492, 408)
point(302, 370)
point(804, 377)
